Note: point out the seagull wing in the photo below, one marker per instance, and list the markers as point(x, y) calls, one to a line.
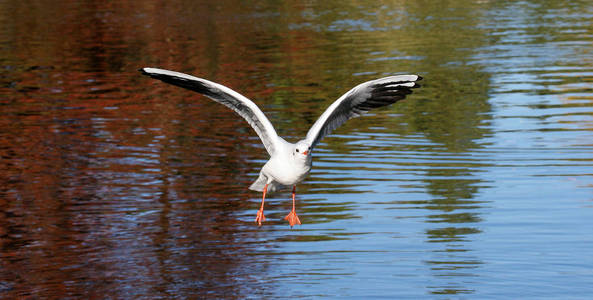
point(223, 95)
point(359, 100)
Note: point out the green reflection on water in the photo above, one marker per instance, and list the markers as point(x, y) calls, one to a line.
point(97, 161)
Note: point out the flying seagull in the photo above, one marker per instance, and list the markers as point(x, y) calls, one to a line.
point(290, 163)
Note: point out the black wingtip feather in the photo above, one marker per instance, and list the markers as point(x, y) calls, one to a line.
point(195, 86)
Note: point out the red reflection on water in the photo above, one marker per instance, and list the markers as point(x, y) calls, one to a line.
point(112, 184)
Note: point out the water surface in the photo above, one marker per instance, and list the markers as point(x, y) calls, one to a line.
point(479, 185)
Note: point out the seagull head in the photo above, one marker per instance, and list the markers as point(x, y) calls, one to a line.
point(302, 149)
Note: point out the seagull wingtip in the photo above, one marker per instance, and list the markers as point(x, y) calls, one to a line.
point(147, 70)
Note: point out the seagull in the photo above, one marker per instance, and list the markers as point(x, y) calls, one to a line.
point(289, 163)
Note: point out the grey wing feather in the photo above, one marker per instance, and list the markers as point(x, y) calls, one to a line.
point(359, 100)
point(226, 96)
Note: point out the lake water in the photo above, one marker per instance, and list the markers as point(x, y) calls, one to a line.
point(116, 186)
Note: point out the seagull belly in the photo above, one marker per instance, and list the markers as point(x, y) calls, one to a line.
point(286, 173)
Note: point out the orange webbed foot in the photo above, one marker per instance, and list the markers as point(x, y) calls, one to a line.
point(292, 218)
point(260, 217)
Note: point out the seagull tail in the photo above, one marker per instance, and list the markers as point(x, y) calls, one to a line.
point(260, 183)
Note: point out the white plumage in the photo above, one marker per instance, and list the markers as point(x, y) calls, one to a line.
point(290, 163)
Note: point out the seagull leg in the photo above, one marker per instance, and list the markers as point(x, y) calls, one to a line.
point(260, 213)
point(292, 217)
